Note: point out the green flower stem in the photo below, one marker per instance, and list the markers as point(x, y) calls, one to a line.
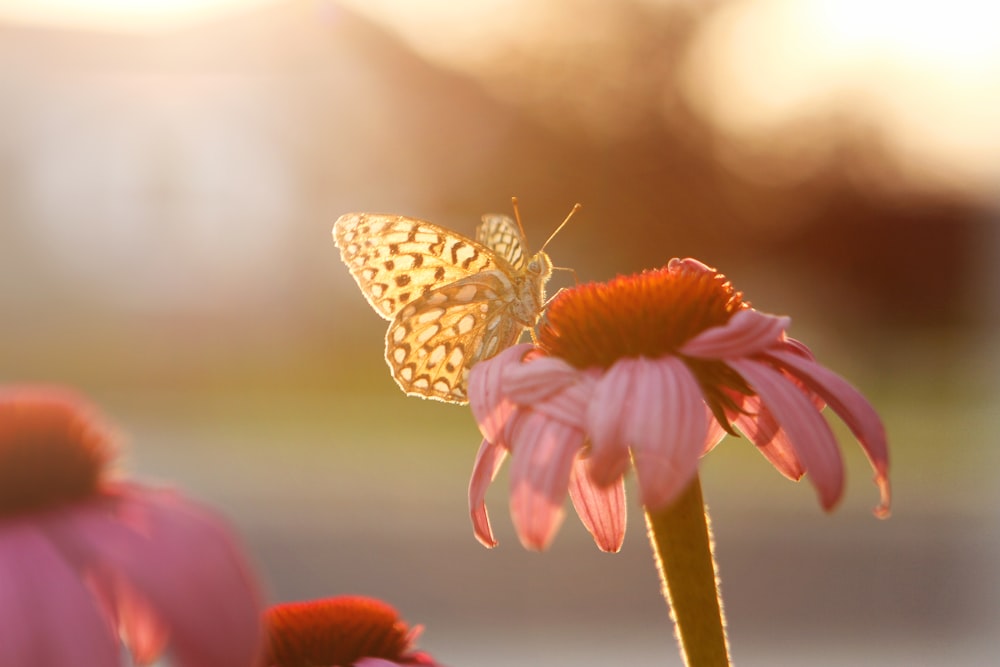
point(682, 543)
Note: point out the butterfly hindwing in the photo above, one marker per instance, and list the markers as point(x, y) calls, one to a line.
point(501, 235)
point(434, 340)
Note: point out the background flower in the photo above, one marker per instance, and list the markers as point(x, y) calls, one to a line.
point(344, 631)
point(86, 559)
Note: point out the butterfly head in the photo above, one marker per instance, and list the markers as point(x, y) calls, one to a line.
point(539, 265)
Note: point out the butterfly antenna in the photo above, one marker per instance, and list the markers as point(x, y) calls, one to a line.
point(517, 216)
point(576, 207)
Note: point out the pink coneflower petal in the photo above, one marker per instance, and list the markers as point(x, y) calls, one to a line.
point(489, 403)
point(602, 509)
point(853, 408)
point(143, 630)
point(669, 428)
point(807, 431)
point(798, 350)
point(690, 264)
point(569, 404)
point(754, 420)
point(747, 332)
point(156, 532)
point(796, 346)
point(484, 471)
point(780, 453)
point(530, 383)
point(43, 595)
point(606, 422)
point(716, 433)
point(655, 409)
point(759, 426)
point(539, 477)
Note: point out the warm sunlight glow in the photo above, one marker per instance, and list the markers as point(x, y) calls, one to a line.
point(116, 15)
point(452, 32)
point(913, 85)
point(923, 74)
point(574, 67)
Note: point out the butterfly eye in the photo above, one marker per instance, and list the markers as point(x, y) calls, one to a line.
point(535, 266)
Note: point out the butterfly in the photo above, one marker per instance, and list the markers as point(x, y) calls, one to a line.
point(451, 301)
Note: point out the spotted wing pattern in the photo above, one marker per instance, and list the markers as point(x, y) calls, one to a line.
point(434, 341)
point(502, 235)
point(452, 301)
point(395, 259)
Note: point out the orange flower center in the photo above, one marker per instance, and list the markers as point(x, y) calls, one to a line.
point(649, 314)
point(333, 632)
point(53, 449)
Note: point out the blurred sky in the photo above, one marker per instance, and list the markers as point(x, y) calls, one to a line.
point(171, 171)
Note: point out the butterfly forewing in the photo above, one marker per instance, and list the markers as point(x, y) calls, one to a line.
point(395, 259)
point(452, 301)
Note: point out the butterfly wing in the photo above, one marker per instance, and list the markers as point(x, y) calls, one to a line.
point(435, 339)
point(502, 235)
point(395, 259)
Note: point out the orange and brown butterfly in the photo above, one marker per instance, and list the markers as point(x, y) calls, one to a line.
point(451, 301)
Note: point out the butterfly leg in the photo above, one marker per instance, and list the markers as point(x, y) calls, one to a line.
point(552, 298)
point(576, 278)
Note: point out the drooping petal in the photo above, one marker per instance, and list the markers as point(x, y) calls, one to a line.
point(209, 601)
point(48, 617)
point(755, 421)
point(606, 422)
point(798, 349)
point(780, 452)
point(490, 405)
point(759, 426)
point(807, 431)
point(543, 453)
point(746, 333)
point(667, 429)
point(715, 432)
point(484, 471)
point(601, 509)
point(795, 346)
point(851, 406)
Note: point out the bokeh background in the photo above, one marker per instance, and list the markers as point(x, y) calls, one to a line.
point(170, 172)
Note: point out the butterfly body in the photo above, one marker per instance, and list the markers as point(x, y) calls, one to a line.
point(451, 301)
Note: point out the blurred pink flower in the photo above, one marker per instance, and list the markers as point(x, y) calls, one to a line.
point(652, 370)
point(344, 631)
point(88, 562)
